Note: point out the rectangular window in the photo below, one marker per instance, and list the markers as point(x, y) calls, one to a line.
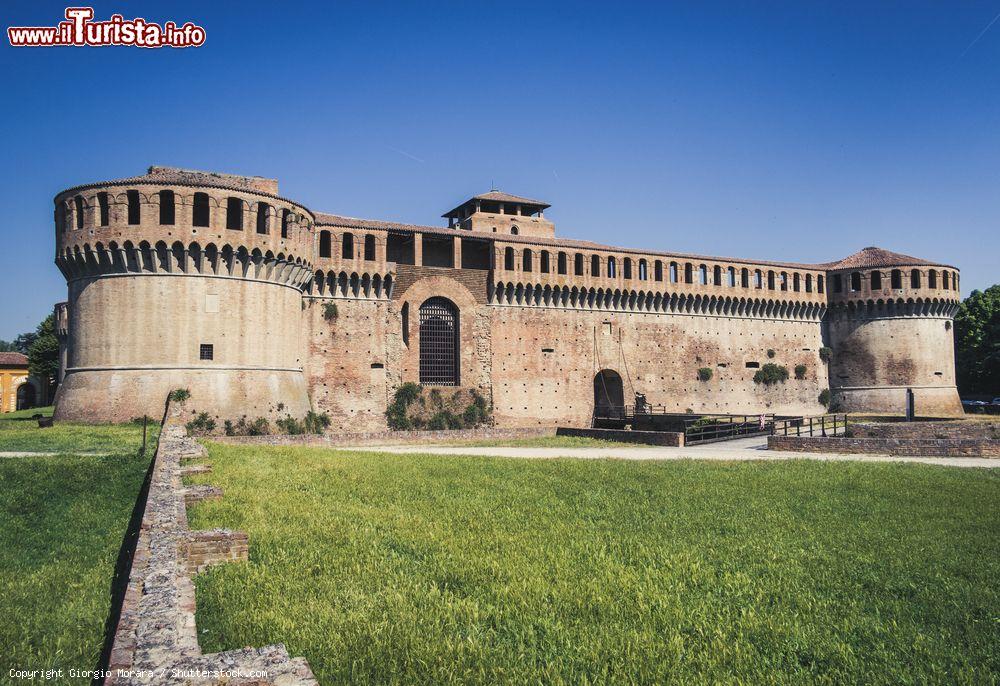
point(102, 202)
point(167, 207)
point(133, 206)
point(206, 351)
point(234, 214)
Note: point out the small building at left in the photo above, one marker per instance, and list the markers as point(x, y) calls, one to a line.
point(18, 390)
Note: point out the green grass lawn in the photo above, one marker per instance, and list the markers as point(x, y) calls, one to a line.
point(62, 521)
point(20, 433)
point(419, 569)
point(29, 413)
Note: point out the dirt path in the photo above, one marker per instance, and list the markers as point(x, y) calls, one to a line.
point(739, 450)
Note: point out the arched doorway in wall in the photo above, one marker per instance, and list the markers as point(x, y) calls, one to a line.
point(26, 396)
point(609, 394)
point(439, 336)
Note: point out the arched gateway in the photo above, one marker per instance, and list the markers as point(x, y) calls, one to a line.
point(609, 394)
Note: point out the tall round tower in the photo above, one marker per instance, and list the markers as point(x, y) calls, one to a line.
point(890, 325)
point(182, 279)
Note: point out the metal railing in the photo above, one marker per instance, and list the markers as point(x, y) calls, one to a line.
point(723, 427)
point(824, 425)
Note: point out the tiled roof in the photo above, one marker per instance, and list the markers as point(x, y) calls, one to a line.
point(873, 257)
point(500, 196)
point(13, 360)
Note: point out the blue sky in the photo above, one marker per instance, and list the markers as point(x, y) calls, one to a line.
point(794, 131)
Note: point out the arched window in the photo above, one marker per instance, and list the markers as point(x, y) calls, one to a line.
point(876, 280)
point(508, 259)
point(688, 272)
point(405, 316)
point(932, 279)
point(526, 260)
point(514, 230)
point(796, 283)
point(561, 263)
point(658, 270)
point(369, 247)
point(263, 217)
point(731, 272)
point(745, 278)
point(78, 210)
point(784, 281)
point(102, 205)
point(167, 208)
point(758, 278)
point(643, 270)
point(234, 214)
point(770, 280)
point(627, 268)
point(200, 213)
point(855, 281)
point(673, 272)
point(717, 276)
point(324, 244)
point(896, 279)
point(703, 275)
point(544, 262)
point(595, 266)
point(347, 246)
point(439, 337)
point(61, 216)
point(612, 270)
point(284, 222)
point(820, 284)
point(915, 278)
point(944, 279)
point(133, 206)
point(809, 283)
point(578, 264)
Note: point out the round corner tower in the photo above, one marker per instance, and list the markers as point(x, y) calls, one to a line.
point(182, 279)
point(890, 325)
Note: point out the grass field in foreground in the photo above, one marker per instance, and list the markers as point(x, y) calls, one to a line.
point(62, 520)
point(419, 569)
point(21, 434)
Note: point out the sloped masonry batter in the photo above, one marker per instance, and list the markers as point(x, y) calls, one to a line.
point(156, 640)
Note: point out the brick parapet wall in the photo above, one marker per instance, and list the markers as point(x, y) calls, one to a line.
point(156, 639)
point(945, 429)
point(666, 438)
point(919, 447)
point(390, 437)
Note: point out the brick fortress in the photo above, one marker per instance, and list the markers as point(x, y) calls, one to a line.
point(263, 307)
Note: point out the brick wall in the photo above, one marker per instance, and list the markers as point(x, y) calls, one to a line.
point(923, 447)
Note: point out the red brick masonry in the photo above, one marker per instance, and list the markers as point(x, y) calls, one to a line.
point(922, 447)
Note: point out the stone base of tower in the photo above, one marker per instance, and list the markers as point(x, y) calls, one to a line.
point(929, 401)
point(120, 395)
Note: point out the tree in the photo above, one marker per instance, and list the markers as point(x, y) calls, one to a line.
point(43, 352)
point(19, 344)
point(977, 342)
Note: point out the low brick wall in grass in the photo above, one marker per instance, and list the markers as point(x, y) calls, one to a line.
point(667, 438)
point(390, 437)
point(919, 447)
point(156, 638)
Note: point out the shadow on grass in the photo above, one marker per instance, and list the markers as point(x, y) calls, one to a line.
point(123, 569)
